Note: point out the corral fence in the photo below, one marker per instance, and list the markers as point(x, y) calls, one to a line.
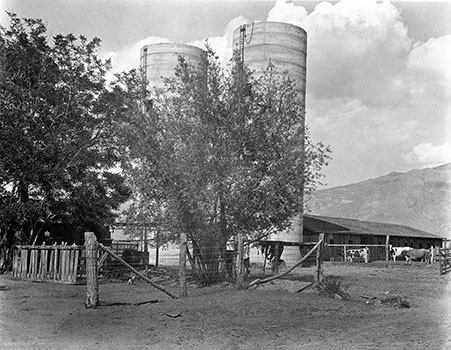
point(130, 251)
point(67, 264)
point(92, 249)
point(444, 256)
point(55, 263)
point(345, 252)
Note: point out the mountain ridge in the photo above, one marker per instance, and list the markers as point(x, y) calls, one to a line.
point(419, 198)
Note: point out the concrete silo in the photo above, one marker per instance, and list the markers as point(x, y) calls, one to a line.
point(160, 60)
point(282, 44)
point(285, 46)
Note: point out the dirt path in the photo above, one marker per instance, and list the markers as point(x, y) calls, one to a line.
point(52, 316)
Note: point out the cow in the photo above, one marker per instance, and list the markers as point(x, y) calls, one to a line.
point(396, 252)
point(358, 253)
point(417, 254)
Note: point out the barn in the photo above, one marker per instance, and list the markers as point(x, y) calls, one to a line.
point(351, 232)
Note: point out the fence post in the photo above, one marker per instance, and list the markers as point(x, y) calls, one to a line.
point(157, 248)
point(276, 261)
point(182, 266)
point(239, 261)
point(92, 288)
point(387, 249)
point(319, 260)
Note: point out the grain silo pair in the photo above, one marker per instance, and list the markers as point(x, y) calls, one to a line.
point(282, 44)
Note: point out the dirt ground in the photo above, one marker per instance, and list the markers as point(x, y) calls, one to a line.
point(274, 316)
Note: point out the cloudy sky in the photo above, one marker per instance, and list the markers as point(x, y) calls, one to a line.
point(379, 74)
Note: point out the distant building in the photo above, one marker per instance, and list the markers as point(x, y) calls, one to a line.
point(358, 232)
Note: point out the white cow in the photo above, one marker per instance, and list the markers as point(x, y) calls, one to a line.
point(396, 252)
point(358, 253)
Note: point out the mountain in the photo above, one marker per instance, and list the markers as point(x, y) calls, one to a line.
point(419, 198)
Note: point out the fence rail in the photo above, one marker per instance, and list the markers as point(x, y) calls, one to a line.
point(445, 260)
point(339, 252)
point(56, 263)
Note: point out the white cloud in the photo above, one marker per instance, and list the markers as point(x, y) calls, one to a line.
point(429, 154)
point(357, 46)
point(287, 11)
point(429, 69)
point(433, 56)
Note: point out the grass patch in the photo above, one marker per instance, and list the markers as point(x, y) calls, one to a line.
point(396, 301)
point(332, 288)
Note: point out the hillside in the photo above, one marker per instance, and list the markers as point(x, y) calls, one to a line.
point(419, 198)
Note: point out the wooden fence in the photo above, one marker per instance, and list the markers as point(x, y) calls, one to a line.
point(339, 252)
point(55, 263)
point(444, 256)
point(318, 274)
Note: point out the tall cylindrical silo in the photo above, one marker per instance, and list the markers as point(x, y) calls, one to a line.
point(285, 46)
point(160, 60)
point(282, 44)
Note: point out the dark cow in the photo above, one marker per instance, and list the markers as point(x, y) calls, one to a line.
point(247, 267)
point(417, 254)
point(269, 253)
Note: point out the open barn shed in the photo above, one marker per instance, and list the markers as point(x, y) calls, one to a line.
point(351, 232)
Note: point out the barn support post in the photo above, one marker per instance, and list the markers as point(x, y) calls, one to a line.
point(387, 249)
point(92, 287)
point(344, 253)
point(182, 266)
point(239, 261)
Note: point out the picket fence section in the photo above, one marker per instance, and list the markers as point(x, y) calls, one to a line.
point(56, 263)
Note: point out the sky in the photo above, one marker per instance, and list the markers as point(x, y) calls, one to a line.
point(378, 72)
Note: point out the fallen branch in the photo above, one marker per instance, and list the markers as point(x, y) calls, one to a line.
point(153, 301)
point(136, 272)
point(305, 287)
point(272, 278)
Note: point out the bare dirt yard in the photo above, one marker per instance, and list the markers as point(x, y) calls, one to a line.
point(273, 316)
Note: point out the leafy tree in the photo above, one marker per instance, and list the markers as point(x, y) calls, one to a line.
point(221, 152)
point(317, 156)
point(59, 133)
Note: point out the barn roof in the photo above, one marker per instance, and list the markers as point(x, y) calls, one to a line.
point(328, 224)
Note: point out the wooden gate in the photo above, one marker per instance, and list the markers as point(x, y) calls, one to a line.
point(445, 260)
point(56, 263)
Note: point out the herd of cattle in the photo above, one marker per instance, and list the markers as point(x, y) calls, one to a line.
point(408, 253)
point(411, 254)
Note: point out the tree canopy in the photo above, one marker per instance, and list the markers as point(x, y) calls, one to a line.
point(220, 152)
point(58, 132)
